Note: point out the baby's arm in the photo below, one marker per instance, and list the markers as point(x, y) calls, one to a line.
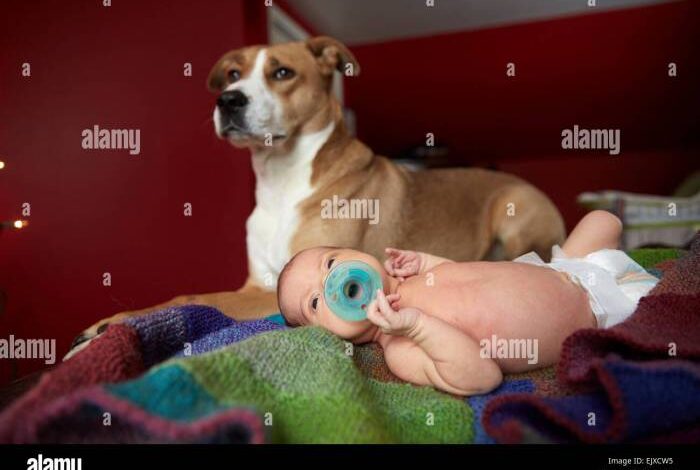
point(405, 263)
point(425, 350)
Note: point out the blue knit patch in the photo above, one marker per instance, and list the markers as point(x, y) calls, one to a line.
point(170, 392)
point(478, 403)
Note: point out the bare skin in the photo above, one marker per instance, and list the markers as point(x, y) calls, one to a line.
point(433, 314)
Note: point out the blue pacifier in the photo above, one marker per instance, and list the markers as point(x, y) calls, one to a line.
point(350, 286)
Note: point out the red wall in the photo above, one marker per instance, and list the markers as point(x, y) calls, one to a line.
point(107, 211)
point(605, 70)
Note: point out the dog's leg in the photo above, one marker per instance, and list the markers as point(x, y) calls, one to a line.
point(249, 302)
point(523, 220)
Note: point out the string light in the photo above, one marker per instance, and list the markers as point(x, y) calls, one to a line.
point(16, 224)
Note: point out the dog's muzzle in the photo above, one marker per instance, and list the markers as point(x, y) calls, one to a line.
point(232, 106)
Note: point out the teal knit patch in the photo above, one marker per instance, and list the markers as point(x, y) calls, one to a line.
point(170, 392)
point(276, 318)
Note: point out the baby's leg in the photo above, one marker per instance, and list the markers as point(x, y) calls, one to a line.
point(597, 230)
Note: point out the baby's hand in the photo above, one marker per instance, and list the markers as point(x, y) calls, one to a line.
point(402, 263)
point(381, 313)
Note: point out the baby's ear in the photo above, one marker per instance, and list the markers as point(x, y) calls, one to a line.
point(331, 55)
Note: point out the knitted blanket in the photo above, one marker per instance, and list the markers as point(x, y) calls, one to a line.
point(267, 384)
point(191, 375)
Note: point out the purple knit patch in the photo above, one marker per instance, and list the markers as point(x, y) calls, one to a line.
point(233, 334)
point(190, 330)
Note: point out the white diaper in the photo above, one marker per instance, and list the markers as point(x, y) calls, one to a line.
point(614, 281)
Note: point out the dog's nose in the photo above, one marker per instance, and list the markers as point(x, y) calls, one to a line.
point(231, 100)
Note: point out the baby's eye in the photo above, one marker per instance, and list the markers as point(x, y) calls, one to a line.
point(314, 303)
point(330, 263)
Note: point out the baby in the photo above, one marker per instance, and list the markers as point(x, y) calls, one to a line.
point(437, 319)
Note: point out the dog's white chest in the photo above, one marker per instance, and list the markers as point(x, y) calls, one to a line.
point(283, 181)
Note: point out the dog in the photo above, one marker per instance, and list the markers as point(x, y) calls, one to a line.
point(277, 102)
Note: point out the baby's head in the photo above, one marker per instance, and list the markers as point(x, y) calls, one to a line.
point(300, 289)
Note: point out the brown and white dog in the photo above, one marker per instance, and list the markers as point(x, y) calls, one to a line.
point(277, 102)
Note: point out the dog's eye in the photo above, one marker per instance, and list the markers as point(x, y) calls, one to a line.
point(330, 262)
point(283, 73)
point(314, 303)
point(234, 75)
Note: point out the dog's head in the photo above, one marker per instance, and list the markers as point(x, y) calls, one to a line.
point(268, 93)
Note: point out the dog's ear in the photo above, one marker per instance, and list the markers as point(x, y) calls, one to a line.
point(217, 77)
point(332, 54)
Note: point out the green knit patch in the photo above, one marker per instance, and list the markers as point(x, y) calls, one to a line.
point(649, 257)
point(310, 391)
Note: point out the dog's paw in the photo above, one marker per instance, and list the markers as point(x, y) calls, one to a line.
point(84, 339)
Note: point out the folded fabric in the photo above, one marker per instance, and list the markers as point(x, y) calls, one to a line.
point(649, 219)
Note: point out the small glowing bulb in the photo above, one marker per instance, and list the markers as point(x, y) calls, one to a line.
point(2, 164)
point(19, 224)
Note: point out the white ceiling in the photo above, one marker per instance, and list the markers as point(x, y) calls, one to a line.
point(366, 21)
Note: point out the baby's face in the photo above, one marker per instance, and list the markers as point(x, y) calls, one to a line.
point(301, 289)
